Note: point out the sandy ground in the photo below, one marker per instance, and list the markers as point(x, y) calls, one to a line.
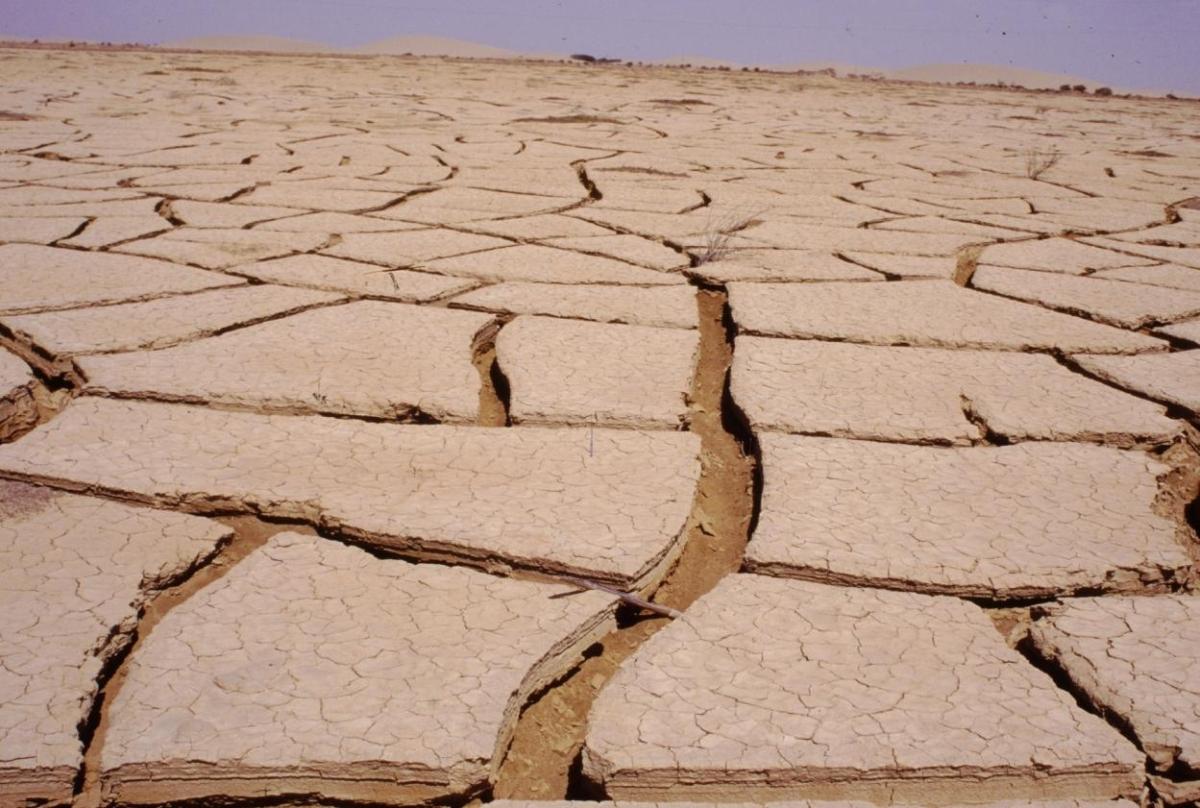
point(396, 431)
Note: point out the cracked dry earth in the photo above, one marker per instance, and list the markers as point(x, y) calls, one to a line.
point(394, 431)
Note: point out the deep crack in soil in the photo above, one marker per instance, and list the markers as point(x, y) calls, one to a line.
point(493, 385)
point(542, 760)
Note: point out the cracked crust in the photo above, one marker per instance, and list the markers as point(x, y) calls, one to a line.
point(411, 247)
point(929, 313)
point(665, 306)
point(575, 372)
point(159, 323)
point(44, 278)
point(604, 504)
point(535, 263)
point(931, 395)
point(315, 669)
point(610, 193)
point(370, 280)
point(1057, 255)
point(1002, 523)
point(1139, 660)
point(773, 689)
point(1119, 303)
point(367, 358)
point(74, 573)
point(221, 249)
point(1173, 378)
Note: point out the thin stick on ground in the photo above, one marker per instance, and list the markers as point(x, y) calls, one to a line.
point(627, 597)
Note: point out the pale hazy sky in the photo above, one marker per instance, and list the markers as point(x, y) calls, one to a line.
point(1151, 44)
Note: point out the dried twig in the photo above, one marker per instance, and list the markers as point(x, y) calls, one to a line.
point(627, 597)
point(1038, 162)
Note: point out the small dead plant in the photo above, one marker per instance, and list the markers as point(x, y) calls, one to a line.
point(718, 234)
point(1039, 161)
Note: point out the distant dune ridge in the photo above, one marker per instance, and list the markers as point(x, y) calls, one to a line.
point(261, 42)
point(418, 45)
point(986, 74)
point(428, 45)
point(434, 46)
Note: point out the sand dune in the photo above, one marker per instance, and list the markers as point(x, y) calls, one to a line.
point(263, 43)
point(428, 45)
point(421, 45)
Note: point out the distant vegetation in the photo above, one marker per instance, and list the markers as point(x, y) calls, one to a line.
point(587, 57)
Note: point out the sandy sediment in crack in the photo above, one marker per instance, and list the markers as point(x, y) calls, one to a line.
point(493, 386)
point(541, 762)
point(966, 263)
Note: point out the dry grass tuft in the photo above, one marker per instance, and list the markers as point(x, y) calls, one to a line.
point(1038, 161)
point(718, 233)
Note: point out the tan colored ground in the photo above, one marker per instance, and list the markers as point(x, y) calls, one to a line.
point(469, 357)
point(76, 572)
point(1135, 659)
point(835, 692)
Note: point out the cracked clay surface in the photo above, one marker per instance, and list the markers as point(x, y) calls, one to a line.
point(797, 689)
point(1025, 521)
point(930, 394)
point(391, 361)
point(609, 504)
point(314, 660)
point(570, 371)
point(73, 573)
point(394, 430)
point(1138, 658)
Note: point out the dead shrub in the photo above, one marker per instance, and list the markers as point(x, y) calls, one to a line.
point(1039, 161)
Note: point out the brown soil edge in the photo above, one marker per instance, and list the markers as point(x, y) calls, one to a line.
point(1178, 496)
point(44, 787)
point(51, 387)
point(1148, 581)
point(945, 786)
point(542, 762)
point(19, 411)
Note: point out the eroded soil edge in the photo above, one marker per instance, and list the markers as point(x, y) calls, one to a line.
point(542, 761)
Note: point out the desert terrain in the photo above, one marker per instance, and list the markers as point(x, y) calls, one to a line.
point(400, 431)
